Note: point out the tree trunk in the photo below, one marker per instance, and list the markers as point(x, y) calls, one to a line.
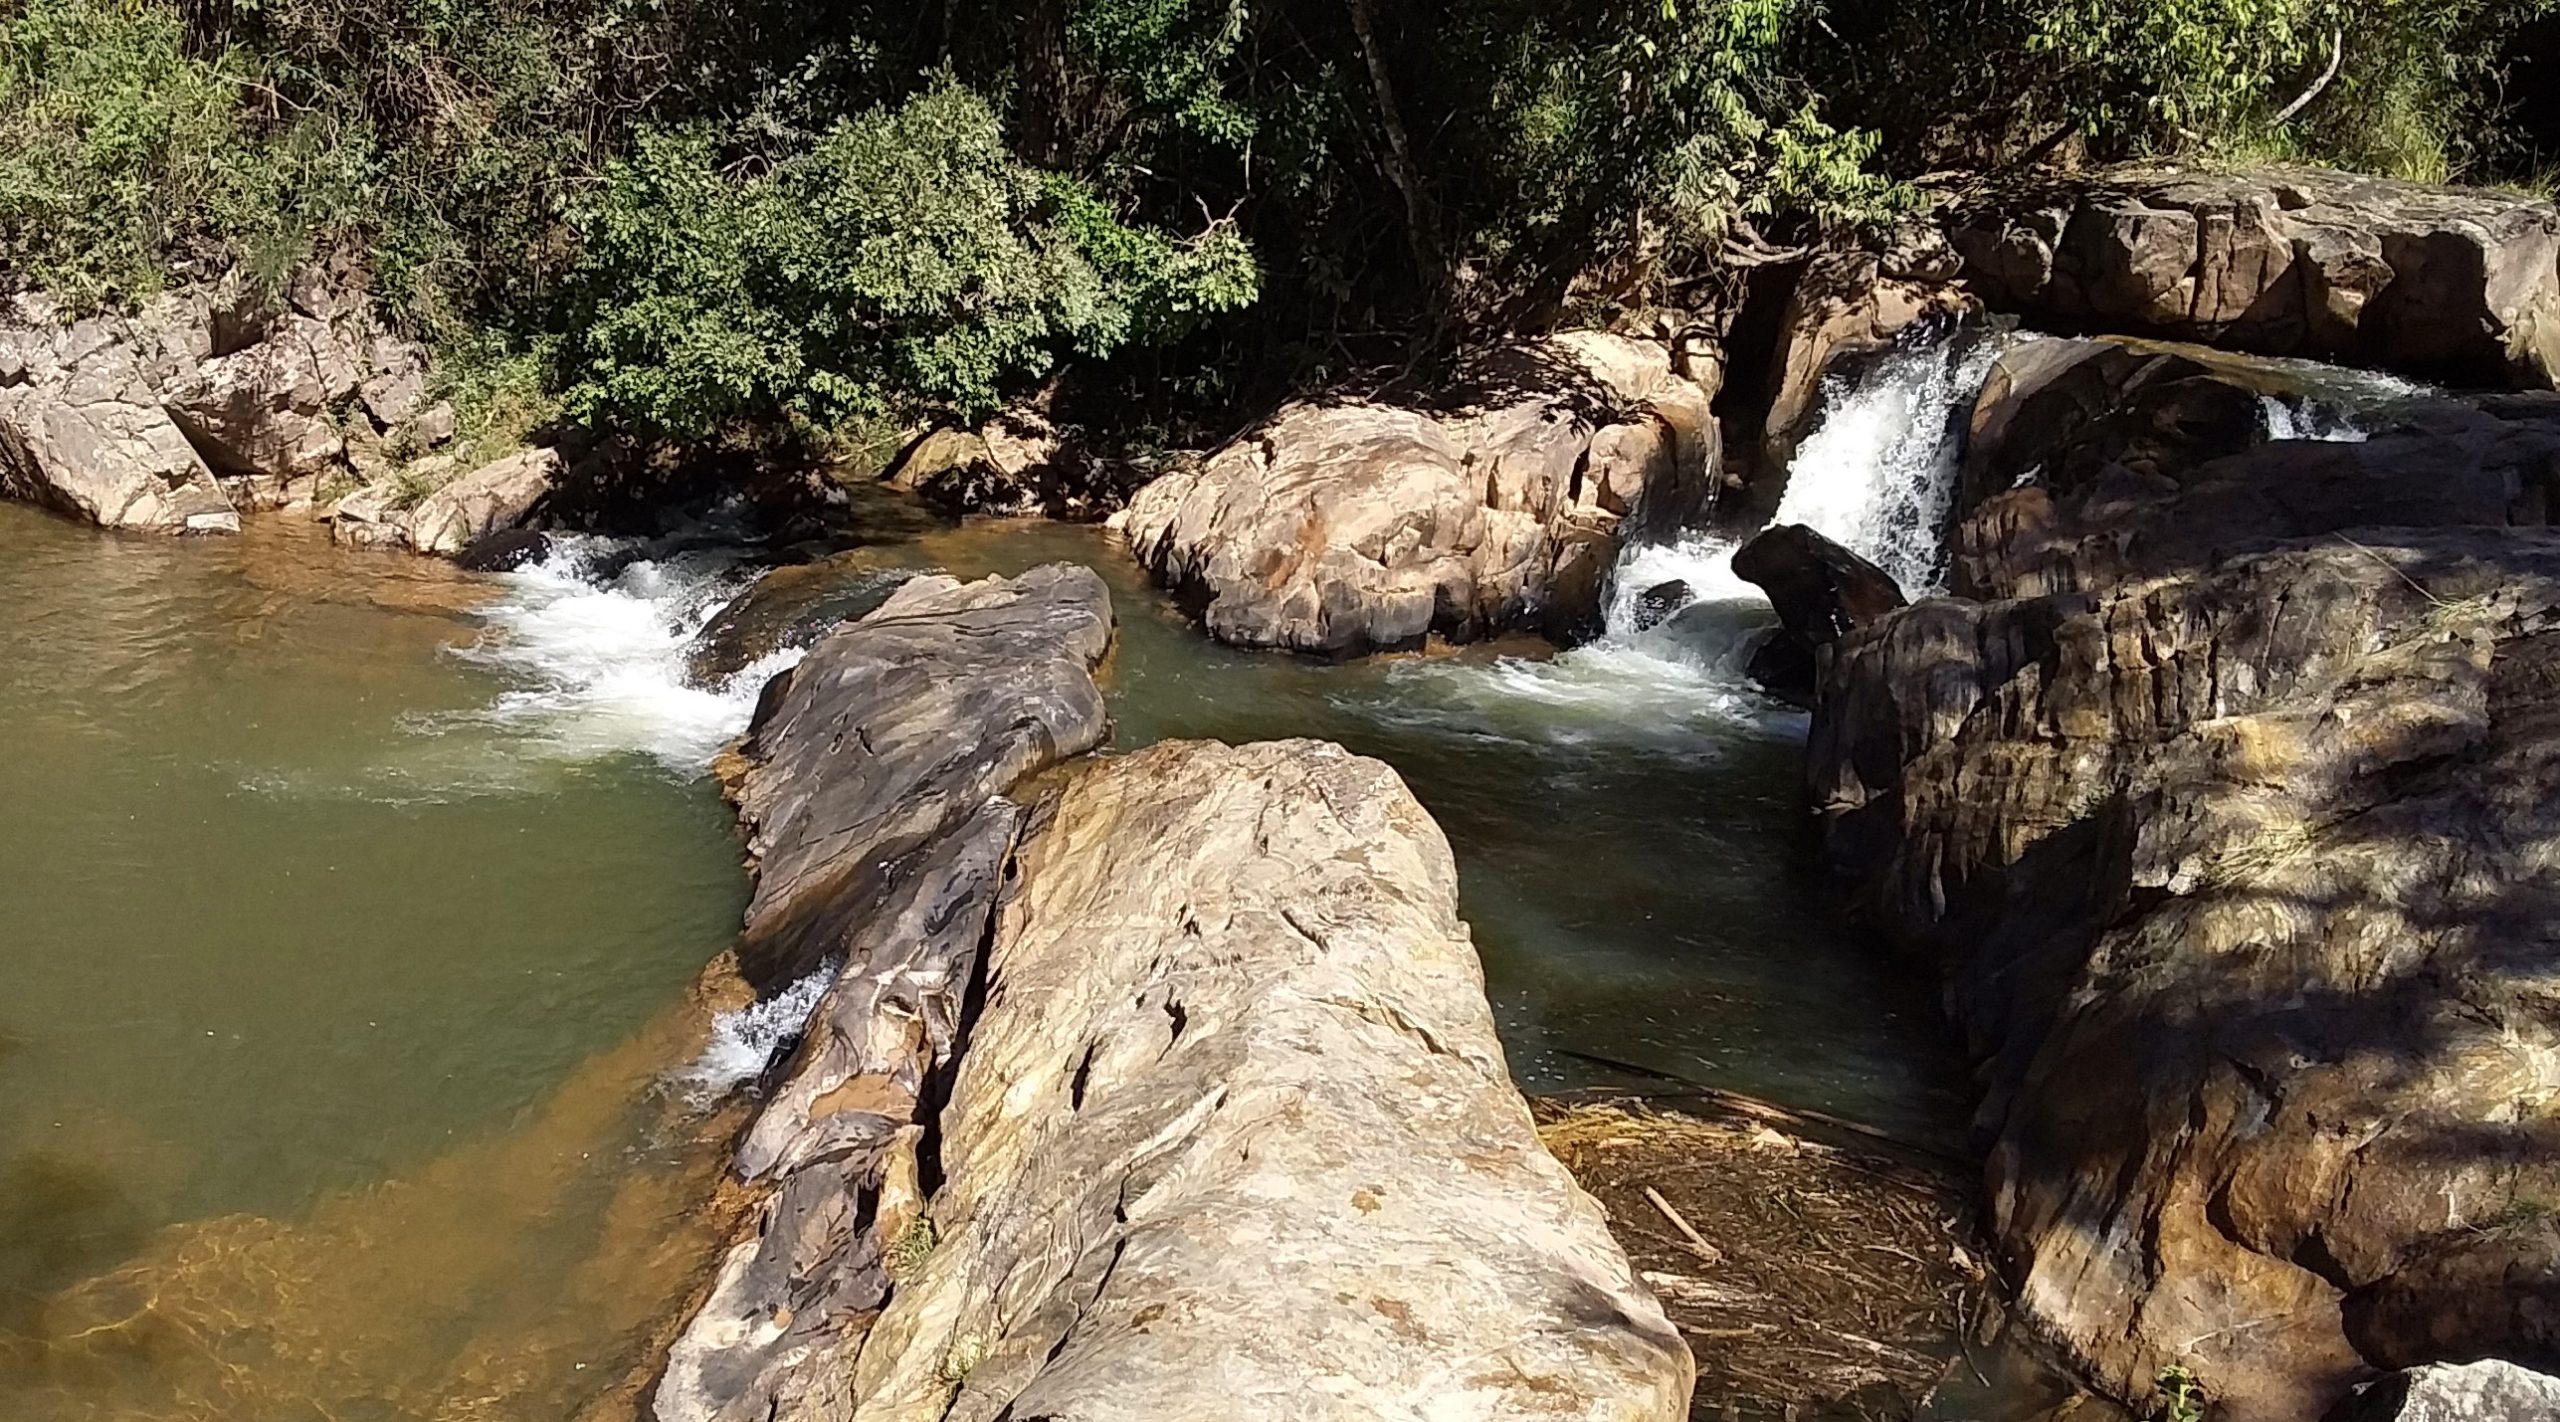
point(1399, 154)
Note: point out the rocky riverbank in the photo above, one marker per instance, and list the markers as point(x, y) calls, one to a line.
point(2222, 800)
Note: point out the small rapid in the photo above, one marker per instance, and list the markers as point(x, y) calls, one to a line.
point(597, 637)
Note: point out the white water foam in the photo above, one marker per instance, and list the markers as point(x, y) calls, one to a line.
point(602, 664)
point(745, 1041)
point(1876, 475)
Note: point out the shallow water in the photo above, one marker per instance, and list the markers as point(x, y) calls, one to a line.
point(315, 983)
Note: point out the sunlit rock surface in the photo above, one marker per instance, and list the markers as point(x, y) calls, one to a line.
point(1156, 1086)
point(2232, 816)
point(1354, 527)
point(2450, 283)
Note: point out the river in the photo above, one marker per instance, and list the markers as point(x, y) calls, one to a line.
point(350, 1063)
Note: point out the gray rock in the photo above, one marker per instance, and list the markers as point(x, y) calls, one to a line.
point(1349, 528)
point(951, 693)
point(265, 410)
point(2486, 1391)
point(113, 459)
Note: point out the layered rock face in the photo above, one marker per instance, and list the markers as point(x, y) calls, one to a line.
point(2453, 284)
point(1350, 528)
point(1161, 1086)
point(198, 408)
point(2231, 812)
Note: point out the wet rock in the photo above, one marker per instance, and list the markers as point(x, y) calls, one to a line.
point(1821, 590)
point(2486, 1391)
point(2453, 284)
point(952, 692)
point(497, 495)
point(788, 607)
point(1655, 604)
point(1167, 1184)
point(1350, 528)
point(504, 551)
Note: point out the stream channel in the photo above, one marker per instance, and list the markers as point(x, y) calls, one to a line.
point(350, 910)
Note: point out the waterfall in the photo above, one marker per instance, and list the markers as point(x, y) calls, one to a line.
point(1876, 475)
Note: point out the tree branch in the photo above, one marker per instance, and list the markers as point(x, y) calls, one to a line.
point(2337, 52)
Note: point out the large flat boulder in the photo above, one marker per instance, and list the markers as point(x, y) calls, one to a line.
point(2450, 283)
point(115, 464)
point(896, 728)
point(1347, 528)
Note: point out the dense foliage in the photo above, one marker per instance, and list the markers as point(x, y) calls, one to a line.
point(701, 216)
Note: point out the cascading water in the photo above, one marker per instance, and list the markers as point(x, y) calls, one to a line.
point(602, 660)
point(1876, 475)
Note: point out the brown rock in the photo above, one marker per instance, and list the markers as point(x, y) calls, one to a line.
point(494, 496)
point(2449, 283)
point(1350, 528)
point(1844, 304)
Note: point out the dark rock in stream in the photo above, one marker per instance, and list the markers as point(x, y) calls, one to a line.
point(2230, 817)
point(1088, 1122)
point(1822, 592)
point(789, 606)
point(1655, 604)
point(505, 551)
point(895, 730)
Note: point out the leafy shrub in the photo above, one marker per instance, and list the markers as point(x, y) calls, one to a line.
point(906, 262)
point(122, 158)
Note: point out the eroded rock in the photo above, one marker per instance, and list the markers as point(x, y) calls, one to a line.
point(2452, 284)
point(1167, 1182)
point(1350, 528)
point(2239, 872)
point(1847, 303)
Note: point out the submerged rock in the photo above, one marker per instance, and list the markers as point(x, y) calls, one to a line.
point(1656, 604)
point(2230, 818)
point(2449, 283)
point(1350, 528)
